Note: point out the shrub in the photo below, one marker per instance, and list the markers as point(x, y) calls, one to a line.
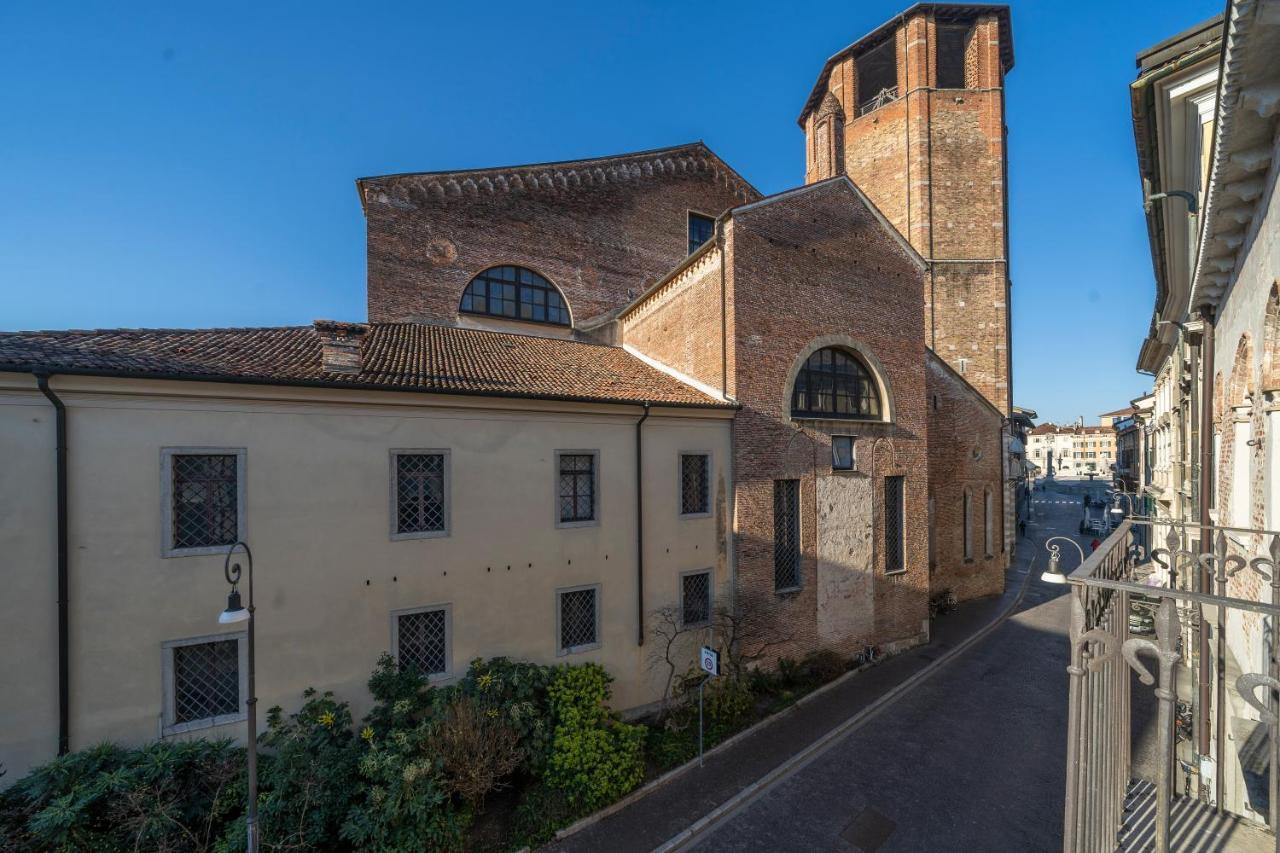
point(517, 691)
point(478, 748)
point(542, 811)
point(595, 759)
point(824, 665)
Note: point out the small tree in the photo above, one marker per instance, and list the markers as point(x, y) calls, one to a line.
point(480, 750)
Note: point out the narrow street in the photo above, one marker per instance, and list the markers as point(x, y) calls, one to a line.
point(972, 759)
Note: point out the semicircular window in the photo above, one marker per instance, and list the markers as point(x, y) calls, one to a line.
point(517, 294)
point(833, 383)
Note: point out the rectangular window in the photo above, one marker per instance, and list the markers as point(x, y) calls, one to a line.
point(420, 493)
point(894, 516)
point(203, 682)
point(695, 599)
point(204, 500)
point(695, 484)
point(842, 452)
point(578, 619)
point(786, 535)
point(877, 76)
point(701, 229)
point(988, 528)
point(577, 487)
point(968, 527)
point(952, 41)
point(422, 639)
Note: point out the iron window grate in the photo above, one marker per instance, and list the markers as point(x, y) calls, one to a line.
point(695, 598)
point(420, 499)
point(695, 492)
point(422, 641)
point(786, 534)
point(206, 680)
point(577, 619)
point(577, 487)
point(894, 560)
point(205, 498)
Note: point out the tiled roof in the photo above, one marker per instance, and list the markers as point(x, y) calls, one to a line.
point(395, 356)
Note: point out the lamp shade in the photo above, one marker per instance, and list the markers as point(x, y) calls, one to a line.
point(1053, 574)
point(235, 611)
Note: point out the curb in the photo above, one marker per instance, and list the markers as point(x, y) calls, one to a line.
point(809, 752)
point(828, 740)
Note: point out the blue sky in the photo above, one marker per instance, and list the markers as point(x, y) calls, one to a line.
point(193, 164)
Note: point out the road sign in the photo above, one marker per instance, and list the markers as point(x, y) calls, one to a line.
point(710, 660)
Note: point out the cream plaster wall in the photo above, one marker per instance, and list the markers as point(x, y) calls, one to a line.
point(846, 558)
point(327, 573)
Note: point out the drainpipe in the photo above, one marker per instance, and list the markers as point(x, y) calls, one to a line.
point(1208, 480)
point(640, 526)
point(64, 703)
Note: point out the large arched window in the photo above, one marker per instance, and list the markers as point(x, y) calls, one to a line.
point(833, 383)
point(517, 294)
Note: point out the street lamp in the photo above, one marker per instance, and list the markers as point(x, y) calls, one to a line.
point(1054, 573)
point(234, 615)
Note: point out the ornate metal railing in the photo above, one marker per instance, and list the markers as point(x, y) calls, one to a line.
point(887, 95)
point(1139, 603)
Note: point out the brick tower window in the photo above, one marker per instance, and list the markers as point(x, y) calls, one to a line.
point(701, 229)
point(834, 384)
point(516, 294)
point(877, 71)
point(953, 39)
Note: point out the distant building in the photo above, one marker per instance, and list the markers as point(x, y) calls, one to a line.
point(1074, 451)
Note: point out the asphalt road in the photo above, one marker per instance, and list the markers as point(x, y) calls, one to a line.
point(972, 759)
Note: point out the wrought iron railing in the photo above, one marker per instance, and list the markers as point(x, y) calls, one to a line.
point(1139, 603)
point(887, 95)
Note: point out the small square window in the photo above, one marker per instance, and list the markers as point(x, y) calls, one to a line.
point(578, 619)
point(695, 484)
point(419, 493)
point(203, 492)
point(422, 639)
point(204, 682)
point(843, 457)
point(701, 229)
point(695, 599)
point(577, 484)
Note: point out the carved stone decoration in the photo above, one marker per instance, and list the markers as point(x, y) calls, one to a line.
point(1247, 686)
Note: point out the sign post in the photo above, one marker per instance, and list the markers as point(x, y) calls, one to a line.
point(709, 660)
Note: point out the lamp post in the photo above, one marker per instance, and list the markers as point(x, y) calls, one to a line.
point(1054, 573)
point(233, 615)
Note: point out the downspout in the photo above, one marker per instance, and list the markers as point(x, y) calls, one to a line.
point(1208, 479)
point(640, 525)
point(64, 703)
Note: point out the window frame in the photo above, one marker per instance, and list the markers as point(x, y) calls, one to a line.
point(711, 597)
point(563, 651)
point(594, 521)
point(967, 30)
point(167, 549)
point(868, 377)
point(799, 536)
point(447, 608)
point(853, 452)
point(688, 229)
point(168, 684)
point(394, 502)
point(550, 287)
point(988, 523)
point(706, 454)
point(966, 508)
point(902, 523)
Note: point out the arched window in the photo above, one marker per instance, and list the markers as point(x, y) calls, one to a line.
point(517, 294)
point(833, 383)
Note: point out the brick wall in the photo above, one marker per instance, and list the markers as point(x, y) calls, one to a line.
point(600, 230)
point(964, 456)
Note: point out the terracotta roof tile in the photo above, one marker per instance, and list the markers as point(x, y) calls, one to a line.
point(395, 356)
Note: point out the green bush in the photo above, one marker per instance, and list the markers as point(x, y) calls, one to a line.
point(167, 795)
point(595, 759)
point(515, 692)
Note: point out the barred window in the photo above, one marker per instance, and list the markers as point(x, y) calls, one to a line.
point(577, 487)
point(202, 681)
point(695, 484)
point(833, 383)
point(204, 504)
point(988, 528)
point(421, 493)
point(515, 293)
point(968, 526)
point(786, 534)
point(695, 599)
point(422, 640)
point(894, 515)
point(577, 619)
point(701, 229)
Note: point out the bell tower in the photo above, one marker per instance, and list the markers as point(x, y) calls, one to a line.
point(920, 104)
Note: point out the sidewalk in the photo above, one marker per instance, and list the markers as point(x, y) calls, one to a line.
point(664, 812)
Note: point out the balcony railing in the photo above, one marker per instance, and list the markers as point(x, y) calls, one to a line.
point(885, 96)
point(1196, 627)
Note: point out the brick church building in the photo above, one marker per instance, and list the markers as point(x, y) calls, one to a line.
point(585, 391)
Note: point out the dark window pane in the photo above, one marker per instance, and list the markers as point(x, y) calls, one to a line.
point(877, 76)
point(786, 534)
point(205, 505)
point(420, 499)
point(695, 598)
point(577, 619)
point(206, 680)
point(894, 560)
point(952, 40)
point(701, 229)
point(515, 292)
point(695, 484)
point(422, 641)
point(577, 487)
point(833, 383)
